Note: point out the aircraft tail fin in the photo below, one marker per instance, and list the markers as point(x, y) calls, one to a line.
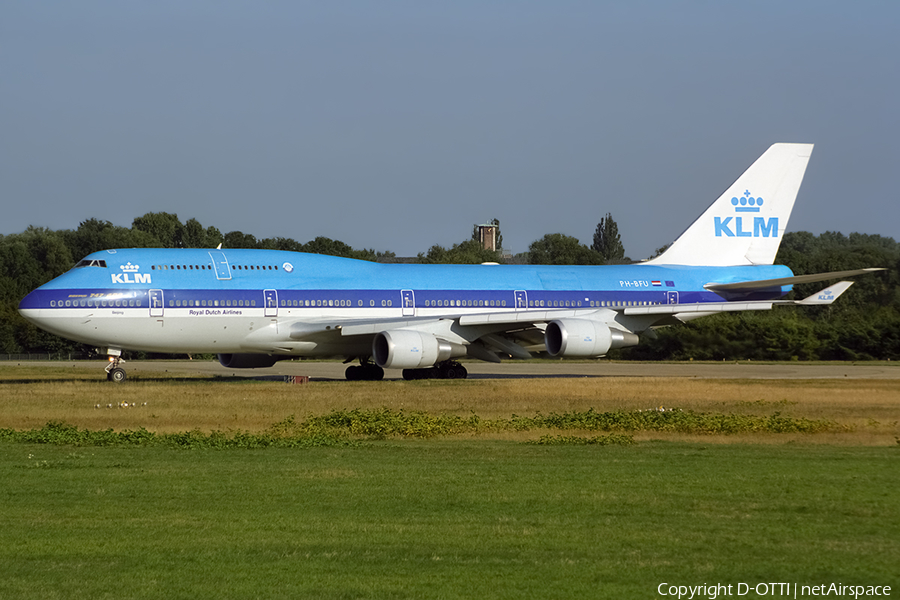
point(745, 225)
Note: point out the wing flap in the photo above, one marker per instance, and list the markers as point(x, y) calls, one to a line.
point(524, 317)
point(702, 307)
point(373, 327)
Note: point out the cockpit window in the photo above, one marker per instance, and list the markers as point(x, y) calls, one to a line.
point(90, 263)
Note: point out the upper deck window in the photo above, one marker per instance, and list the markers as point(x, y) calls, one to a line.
point(90, 263)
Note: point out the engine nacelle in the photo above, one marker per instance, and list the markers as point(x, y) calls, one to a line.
point(248, 361)
point(582, 338)
point(408, 349)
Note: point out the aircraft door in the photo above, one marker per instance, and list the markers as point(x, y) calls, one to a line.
point(220, 263)
point(408, 300)
point(156, 303)
point(271, 302)
point(671, 297)
point(521, 300)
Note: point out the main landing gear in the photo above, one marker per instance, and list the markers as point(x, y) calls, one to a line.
point(365, 371)
point(449, 369)
point(114, 372)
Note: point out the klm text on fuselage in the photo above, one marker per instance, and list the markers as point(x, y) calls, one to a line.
point(126, 278)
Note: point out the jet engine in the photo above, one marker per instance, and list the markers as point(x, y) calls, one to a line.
point(408, 349)
point(582, 338)
point(248, 361)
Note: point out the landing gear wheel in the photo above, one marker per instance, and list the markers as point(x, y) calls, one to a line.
point(116, 375)
point(114, 372)
point(446, 370)
point(452, 370)
point(364, 372)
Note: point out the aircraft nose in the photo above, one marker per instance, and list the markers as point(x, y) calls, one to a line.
point(30, 302)
point(33, 308)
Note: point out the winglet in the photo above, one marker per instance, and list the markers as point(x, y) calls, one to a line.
point(828, 295)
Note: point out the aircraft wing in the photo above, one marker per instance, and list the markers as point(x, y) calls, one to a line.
point(487, 336)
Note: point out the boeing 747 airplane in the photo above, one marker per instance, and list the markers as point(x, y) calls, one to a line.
point(255, 307)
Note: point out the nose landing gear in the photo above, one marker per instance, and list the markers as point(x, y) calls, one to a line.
point(114, 372)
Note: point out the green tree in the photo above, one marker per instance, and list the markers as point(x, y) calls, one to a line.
point(165, 227)
point(94, 235)
point(281, 243)
point(607, 242)
point(324, 245)
point(561, 249)
point(863, 324)
point(469, 252)
point(239, 239)
point(195, 236)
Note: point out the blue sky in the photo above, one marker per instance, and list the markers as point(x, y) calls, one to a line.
point(398, 125)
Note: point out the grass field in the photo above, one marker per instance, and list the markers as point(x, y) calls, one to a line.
point(463, 516)
point(443, 519)
point(867, 410)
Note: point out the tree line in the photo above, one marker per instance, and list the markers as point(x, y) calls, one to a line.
point(863, 324)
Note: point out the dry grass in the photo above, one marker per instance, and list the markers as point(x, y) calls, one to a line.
point(30, 398)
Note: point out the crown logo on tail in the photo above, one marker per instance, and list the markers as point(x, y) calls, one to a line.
point(746, 203)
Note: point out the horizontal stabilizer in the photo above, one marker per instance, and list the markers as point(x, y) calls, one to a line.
point(828, 295)
point(761, 284)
